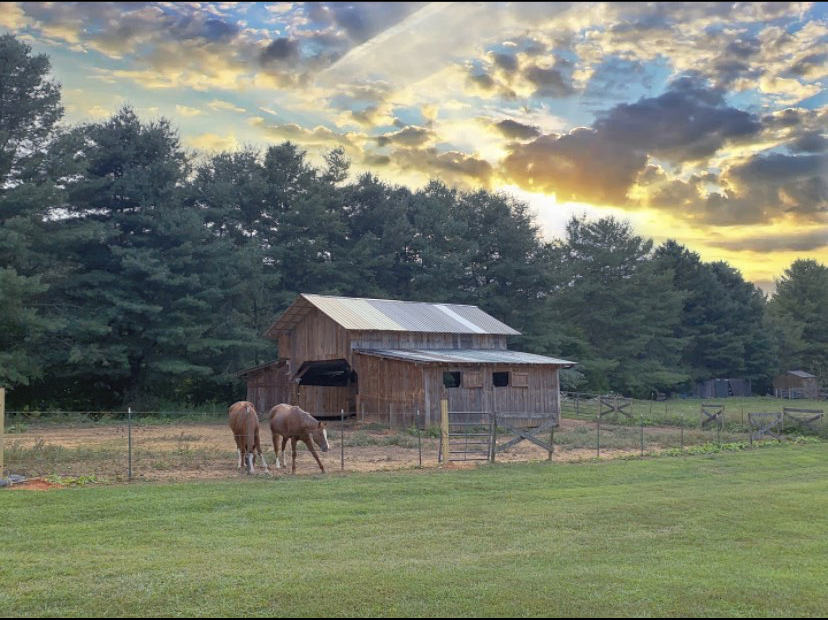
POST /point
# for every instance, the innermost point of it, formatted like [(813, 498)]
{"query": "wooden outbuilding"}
[(392, 362), (796, 384)]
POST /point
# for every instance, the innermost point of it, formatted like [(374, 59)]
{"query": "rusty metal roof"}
[(466, 356), (390, 315)]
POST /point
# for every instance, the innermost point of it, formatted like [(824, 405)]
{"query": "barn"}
[(392, 362), (796, 384)]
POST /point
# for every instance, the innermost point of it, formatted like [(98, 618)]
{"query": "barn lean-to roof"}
[(466, 356), (390, 315)]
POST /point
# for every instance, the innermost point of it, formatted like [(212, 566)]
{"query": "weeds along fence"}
[(157, 445)]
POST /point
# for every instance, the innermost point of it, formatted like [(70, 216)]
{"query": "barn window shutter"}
[(473, 380), (520, 379)]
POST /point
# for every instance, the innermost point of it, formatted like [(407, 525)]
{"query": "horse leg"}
[(284, 444), (238, 450), (293, 449), (309, 444), (259, 450), (276, 438)]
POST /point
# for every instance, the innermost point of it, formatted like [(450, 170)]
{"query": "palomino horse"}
[(291, 422), (244, 422)]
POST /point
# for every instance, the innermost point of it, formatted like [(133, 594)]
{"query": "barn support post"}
[(444, 431), (2, 427)]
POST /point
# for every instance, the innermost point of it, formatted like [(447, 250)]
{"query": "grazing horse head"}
[(320, 436)]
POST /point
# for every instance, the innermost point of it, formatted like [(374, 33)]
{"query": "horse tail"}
[(251, 420)]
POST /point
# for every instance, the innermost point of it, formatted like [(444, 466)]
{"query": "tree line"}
[(134, 272)]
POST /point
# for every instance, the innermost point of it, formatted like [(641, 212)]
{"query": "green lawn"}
[(732, 534)]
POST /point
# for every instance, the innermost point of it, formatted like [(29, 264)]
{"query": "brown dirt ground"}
[(37, 484), (188, 451)]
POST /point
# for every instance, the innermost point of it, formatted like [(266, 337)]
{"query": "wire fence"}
[(117, 446)]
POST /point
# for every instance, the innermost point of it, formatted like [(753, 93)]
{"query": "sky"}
[(701, 122)]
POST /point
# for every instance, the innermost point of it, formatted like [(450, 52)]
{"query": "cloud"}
[(689, 122), (214, 142), (184, 110), (452, 167), (218, 104), (601, 163), (549, 82), (793, 242), (517, 131), (408, 136)]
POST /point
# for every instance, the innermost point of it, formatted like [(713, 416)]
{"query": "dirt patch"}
[(37, 484)]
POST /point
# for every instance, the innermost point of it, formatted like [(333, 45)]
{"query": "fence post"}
[(682, 431), (493, 437), (341, 440), (642, 435), (2, 427), (129, 442), (444, 430), (419, 439), (598, 430)]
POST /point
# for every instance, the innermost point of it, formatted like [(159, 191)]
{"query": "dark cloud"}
[(450, 166), (809, 64), (795, 242), (810, 142), (792, 183), (601, 163), (688, 123), (409, 136), (280, 51), (482, 80), (580, 165), (549, 82), (507, 62), (517, 131)]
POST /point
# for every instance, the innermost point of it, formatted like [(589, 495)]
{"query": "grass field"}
[(736, 534)]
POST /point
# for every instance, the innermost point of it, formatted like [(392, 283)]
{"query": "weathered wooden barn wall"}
[(269, 386), (424, 340), (326, 401), (391, 391), (316, 338), (537, 392)]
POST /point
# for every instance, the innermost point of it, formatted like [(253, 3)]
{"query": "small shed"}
[(796, 384), (723, 388), (392, 362)]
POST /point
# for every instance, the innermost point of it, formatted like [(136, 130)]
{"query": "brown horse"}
[(244, 422), (291, 422)]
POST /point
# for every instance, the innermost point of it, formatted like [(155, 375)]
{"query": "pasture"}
[(728, 534), (199, 445)]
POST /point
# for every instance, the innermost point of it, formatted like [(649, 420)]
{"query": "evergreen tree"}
[(29, 111), (621, 312), (800, 305)]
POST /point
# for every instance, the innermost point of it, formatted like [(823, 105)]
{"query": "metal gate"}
[(467, 436)]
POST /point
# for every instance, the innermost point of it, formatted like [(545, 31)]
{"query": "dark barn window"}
[(451, 379), (500, 379)]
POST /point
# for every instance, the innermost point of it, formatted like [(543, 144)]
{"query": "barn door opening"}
[(324, 388), (329, 373)]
